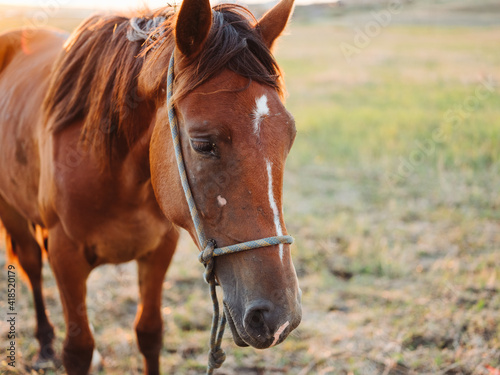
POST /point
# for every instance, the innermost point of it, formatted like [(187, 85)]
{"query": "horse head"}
[(235, 135)]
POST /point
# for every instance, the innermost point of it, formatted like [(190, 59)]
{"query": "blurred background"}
[(392, 192)]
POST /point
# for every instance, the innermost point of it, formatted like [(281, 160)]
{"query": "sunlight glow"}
[(107, 4)]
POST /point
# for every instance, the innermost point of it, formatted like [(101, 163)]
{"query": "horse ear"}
[(272, 24), (192, 26)]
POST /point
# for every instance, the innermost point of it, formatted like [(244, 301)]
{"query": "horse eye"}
[(205, 147)]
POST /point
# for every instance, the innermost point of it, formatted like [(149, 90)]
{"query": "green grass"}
[(372, 112)]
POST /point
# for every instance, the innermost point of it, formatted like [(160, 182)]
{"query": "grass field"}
[(392, 193)]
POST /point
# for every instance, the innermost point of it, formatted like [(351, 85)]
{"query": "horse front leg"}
[(71, 269), (149, 324)]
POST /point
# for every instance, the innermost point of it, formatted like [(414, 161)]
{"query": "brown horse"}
[(86, 154)]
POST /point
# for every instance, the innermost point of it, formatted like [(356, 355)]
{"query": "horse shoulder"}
[(114, 210)]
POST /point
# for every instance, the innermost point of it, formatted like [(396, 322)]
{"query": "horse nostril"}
[(256, 317)]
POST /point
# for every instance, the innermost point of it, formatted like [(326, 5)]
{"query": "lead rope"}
[(216, 356)]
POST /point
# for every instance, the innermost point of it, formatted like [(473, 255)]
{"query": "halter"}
[(216, 354)]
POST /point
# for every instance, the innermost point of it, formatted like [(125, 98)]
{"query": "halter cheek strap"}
[(216, 354)]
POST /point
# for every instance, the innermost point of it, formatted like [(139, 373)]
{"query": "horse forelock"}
[(98, 78)]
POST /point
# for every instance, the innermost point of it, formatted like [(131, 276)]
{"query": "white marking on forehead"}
[(279, 332), (221, 200), (259, 113), (274, 206)]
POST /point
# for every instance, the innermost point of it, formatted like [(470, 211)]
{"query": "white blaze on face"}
[(274, 206), (259, 113)]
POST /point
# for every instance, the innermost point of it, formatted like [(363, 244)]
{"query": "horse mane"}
[(112, 64)]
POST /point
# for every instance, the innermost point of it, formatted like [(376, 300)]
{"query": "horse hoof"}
[(43, 364)]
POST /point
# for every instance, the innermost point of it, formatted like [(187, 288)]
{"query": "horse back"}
[(26, 59)]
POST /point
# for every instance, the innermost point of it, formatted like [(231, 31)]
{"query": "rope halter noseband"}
[(216, 354)]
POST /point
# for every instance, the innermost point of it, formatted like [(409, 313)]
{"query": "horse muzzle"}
[(263, 324)]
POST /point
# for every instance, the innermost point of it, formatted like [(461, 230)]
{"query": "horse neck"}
[(130, 156)]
